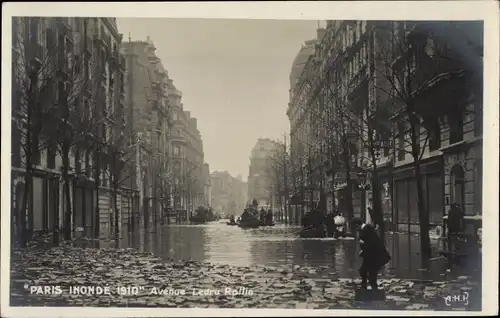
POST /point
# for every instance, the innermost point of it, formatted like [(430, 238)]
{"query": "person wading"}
[(330, 224), (373, 253)]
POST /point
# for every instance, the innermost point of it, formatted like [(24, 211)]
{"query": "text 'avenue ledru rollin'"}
[(136, 290)]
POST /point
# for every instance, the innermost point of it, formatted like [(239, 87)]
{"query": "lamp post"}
[(135, 215), (79, 180)]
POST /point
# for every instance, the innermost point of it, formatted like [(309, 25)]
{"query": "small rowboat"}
[(248, 225), (312, 233)]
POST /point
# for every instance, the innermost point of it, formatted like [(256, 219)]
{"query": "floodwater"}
[(279, 245)]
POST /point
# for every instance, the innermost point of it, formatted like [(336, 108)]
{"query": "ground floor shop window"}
[(402, 201), (407, 199), (37, 206), (413, 201), (457, 185), (435, 197)]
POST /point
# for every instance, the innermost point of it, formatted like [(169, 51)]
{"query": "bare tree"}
[(409, 58), (32, 103), (118, 166), (338, 140), (80, 118), (275, 176)]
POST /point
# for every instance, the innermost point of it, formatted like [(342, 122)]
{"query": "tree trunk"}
[(97, 184), (377, 203), (425, 244), (55, 220), (347, 162), (378, 215), (67, 194), (22, 232), (302, 194), (116, 210), (334, 208)]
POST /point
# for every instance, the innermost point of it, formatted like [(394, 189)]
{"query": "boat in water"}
[(267, 224), (249, 219), (202, 215), (315, 232), (249, 225)]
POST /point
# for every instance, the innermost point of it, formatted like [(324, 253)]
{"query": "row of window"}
[(403, 136)]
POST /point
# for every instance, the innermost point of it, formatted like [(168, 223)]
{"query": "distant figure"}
[(255, 203), (330, 224), (317, 217), (373, 252), (269, 217), (262, 215), (455, 225), (305, 220), (231, 219)]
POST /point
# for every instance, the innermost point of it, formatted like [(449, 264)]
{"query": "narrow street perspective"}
[(216, 163)]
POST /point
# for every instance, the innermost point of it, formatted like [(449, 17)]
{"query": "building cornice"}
[(112, 28)]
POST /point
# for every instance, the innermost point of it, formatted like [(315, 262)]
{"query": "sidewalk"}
[(209, 285)]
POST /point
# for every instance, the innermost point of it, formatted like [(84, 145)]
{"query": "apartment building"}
[(187, 156), (207, 190), (259, 178), (228, 193), (344, 86), (67, 102), (149, 123)]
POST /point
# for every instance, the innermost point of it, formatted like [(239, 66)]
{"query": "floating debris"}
[(131, 276)]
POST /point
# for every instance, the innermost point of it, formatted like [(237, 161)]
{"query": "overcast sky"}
[(234, 76)]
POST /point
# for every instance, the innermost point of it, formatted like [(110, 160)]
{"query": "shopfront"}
[(406, 199)]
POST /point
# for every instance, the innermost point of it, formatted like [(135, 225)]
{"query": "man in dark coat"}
[(330, 224), (262, 216), (373, 252), (269, 217)]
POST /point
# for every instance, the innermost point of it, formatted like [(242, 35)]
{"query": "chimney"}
[(320, 33)]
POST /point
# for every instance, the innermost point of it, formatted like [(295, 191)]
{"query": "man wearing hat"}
[(373, 252)]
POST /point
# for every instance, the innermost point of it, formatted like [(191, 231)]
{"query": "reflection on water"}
[(274, 246)]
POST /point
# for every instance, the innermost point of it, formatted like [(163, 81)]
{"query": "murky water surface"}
[(277, 246)]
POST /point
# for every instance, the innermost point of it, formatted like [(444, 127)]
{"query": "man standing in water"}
[(373, 252)]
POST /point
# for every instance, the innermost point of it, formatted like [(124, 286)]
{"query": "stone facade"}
[(343, 75), (228, 197), (259, 178), (148, 114), (89, 67)]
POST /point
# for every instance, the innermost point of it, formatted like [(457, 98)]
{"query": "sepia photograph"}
[(248, 163)]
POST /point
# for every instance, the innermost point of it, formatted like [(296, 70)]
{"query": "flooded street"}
[(269, 267), (277, 246)]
